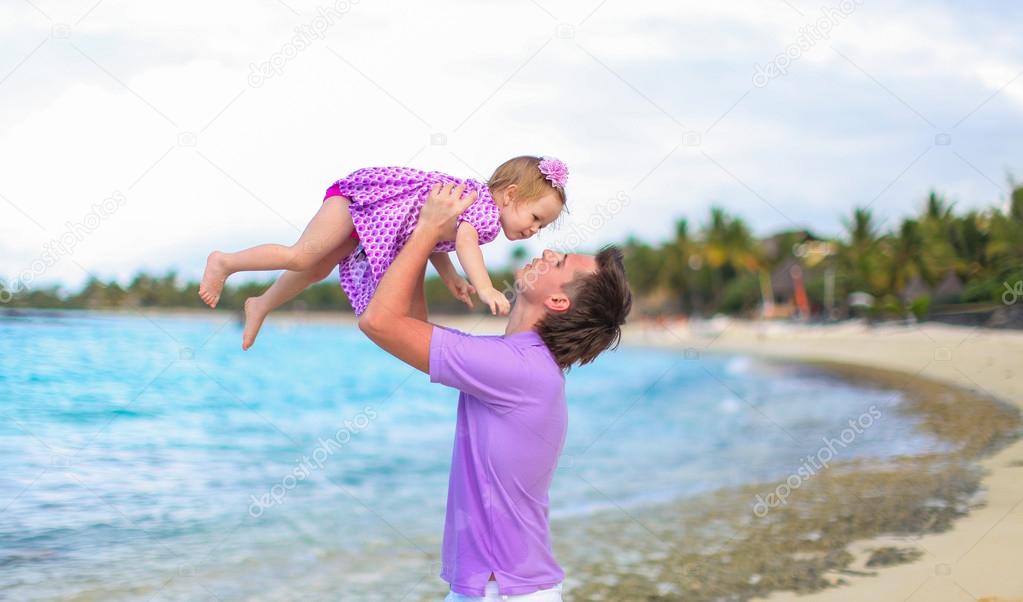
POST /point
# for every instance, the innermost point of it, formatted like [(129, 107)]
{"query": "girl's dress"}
[(385, 205)]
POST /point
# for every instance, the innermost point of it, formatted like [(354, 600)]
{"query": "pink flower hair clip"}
[(555, 171)]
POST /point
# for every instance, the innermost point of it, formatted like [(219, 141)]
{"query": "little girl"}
[(367, 217)]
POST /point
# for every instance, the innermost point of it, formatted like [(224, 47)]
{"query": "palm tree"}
[(642, 264), (936, 232), (970, 236), (676, 268), (1005, 244), (906, 257), (728, 249), (857, 256)]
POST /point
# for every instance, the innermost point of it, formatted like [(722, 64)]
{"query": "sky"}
[(142, 135)]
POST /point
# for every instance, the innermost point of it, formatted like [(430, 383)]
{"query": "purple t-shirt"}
[(512, 419)]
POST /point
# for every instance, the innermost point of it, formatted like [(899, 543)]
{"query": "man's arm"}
[(419, 309), (388, 320)]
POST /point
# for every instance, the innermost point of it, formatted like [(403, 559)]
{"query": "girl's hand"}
[(496, 300), (460, 289)]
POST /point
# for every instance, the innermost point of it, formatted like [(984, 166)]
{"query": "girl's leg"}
[(330, 227), (286, 288)]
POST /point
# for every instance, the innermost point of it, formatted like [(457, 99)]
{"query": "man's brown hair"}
[(592, 324)]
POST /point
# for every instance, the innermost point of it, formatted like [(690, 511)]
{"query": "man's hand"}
[(442, 207)]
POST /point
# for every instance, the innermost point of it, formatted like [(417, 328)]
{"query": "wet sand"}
[(724, 546)]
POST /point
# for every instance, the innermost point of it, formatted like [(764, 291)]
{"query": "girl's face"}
[(521, 220)]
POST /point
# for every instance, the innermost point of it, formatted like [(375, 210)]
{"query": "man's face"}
[(541, 281)]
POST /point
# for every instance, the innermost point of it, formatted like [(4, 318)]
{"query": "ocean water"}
[(151, 459)]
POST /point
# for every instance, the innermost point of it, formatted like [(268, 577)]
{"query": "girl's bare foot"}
[(254, 316), (213, 279)]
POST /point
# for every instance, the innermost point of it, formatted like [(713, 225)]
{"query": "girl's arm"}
[(442, 263), (459, 288), (467, 247)]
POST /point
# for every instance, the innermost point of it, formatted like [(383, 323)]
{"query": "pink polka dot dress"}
[(385, 205)]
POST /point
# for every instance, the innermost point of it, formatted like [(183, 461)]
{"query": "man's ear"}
[(558, 302)]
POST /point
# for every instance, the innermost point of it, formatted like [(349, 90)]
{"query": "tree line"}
[(938, 258)]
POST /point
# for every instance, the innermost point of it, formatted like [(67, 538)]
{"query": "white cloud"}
[(811, 143)]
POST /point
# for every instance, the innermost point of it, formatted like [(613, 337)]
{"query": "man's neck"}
[(522, 317)]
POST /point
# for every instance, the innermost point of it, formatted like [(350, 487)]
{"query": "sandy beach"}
[(979, 557)]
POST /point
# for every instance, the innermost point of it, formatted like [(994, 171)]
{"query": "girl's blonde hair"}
[(525, 173)]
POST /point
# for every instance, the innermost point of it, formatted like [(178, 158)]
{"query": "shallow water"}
[(149, 458)]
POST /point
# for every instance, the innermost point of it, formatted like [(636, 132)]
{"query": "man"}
[(512, 415)]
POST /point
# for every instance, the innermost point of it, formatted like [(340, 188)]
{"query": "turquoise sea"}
[(149, 458)]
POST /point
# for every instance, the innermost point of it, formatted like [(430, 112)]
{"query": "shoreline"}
[(977, 557)]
